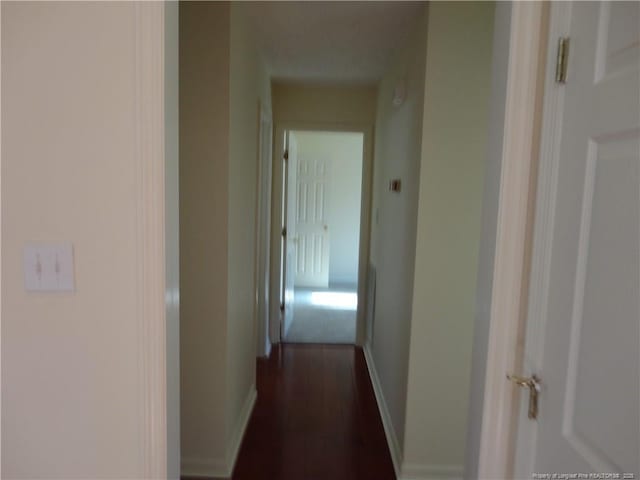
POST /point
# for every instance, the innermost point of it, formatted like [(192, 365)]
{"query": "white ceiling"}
[(331, 42)]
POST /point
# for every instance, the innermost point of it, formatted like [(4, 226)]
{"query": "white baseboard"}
[(431, 472), (222, 467), (392, 440), (241, 427)]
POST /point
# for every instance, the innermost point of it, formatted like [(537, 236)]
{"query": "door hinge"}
[(286, 154), (284, 232), (282, 307), (562, 60)]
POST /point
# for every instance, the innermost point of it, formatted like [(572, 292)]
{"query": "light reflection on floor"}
[(323, 315), (335, 300)]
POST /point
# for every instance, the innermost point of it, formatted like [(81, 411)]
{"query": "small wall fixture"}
[(399, 92), (395, 185)]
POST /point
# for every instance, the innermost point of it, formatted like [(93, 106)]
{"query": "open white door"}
[(583, 328)]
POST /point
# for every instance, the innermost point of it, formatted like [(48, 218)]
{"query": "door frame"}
[(276, 217), (263, 230), (540, 238), (517, 202)]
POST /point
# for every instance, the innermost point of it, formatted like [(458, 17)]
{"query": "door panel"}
[(311, 227), (589, 415), (605, 304)]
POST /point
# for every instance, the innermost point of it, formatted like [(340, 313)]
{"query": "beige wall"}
[(204, 210), (249, 86), (455, 128), (69, 376), (425, 239), (315, 104), (486, 254), (222, 81), (397, 155)]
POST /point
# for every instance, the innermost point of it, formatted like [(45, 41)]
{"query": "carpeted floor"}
[(332, 319)]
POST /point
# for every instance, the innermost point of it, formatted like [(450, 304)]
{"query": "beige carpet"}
[(321, 323)]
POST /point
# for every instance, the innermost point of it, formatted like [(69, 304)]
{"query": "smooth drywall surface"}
[(397, 156), (222, 82), (308, 104), (69, 377), (249, 85), (172, 240), (343, 153), (204, 174), (454, 150), (501, 35)]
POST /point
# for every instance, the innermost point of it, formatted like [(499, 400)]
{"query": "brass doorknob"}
[(534, 386)]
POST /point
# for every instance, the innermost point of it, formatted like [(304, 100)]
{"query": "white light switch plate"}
[(49, 268)]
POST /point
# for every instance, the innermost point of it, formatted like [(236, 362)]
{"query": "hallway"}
[(316, 418)]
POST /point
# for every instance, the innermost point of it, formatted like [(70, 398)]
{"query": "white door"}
[(289, 242), (311, 226), (583, 329)]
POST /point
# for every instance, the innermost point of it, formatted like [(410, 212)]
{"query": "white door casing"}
[(288, 241), (263, 221), (583, 327), (311, 224), (518, 147)]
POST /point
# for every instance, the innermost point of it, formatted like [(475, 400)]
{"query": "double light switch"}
[(48, 267)]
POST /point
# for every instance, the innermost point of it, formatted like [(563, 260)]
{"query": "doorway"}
[(321, 212)]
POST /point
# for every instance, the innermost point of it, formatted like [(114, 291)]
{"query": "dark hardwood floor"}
[(316, 418)]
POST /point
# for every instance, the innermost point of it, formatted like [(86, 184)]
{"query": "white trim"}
[(222, 467), (150, 236), (263, 239), (275, 280), (431, 472), (496, 443), (390, 434), (238, 433), (0, 249), (404, 471), (543, 227)]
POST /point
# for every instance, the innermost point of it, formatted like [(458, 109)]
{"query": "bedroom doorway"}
[(322, 201)]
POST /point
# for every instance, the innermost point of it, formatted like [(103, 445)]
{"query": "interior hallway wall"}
[(204, 172), (454, 150), (323, 104), (490, 197), (222, 81), (70, 381), (249, 86), (393, 233)]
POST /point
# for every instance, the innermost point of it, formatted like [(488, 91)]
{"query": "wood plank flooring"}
[(315, 418)]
